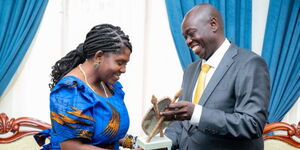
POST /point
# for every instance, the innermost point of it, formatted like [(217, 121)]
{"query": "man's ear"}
[(214, 24), (98, 56)]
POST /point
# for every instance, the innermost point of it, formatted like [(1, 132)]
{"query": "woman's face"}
[(113, 65)]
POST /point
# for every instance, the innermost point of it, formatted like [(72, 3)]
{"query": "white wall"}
[(154, 67), (259, 18)]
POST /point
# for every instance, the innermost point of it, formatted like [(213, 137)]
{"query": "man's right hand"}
[(182, 110)]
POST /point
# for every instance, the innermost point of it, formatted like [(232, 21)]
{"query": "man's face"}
[(198, 35)]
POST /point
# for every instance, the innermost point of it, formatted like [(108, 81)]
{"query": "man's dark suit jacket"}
[(235, 103)]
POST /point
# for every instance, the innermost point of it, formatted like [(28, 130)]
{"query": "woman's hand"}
[(128, 141)]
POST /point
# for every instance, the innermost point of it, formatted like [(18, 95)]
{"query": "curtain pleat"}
[(281, 50), (19, 21)]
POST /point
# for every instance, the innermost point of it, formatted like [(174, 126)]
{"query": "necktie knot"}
[(205, 68)]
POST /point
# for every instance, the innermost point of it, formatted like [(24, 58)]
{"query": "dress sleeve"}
[(71, 114)]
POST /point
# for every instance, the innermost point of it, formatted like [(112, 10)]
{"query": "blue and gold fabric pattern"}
[(77, 112)]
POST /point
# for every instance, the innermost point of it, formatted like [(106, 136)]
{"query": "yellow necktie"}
[(200, 83)]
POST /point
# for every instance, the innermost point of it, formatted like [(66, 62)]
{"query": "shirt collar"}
[(217, 56)]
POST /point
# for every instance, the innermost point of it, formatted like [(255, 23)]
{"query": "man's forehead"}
[(189, 21)]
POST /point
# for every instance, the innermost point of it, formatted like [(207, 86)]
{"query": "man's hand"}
[(182, 110)]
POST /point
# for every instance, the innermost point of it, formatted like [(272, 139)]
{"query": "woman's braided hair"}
[(105, 37)]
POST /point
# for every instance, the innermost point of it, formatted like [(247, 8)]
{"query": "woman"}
[(86, 100)]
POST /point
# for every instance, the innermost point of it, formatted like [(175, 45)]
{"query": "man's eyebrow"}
[(185, 32), (188, 30)]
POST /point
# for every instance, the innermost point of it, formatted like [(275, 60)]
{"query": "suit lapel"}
[(224, 65), (190, 88), (194, 78)]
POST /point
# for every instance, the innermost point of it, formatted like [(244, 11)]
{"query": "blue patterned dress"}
[(78, 112)]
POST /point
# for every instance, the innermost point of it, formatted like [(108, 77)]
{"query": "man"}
[(232, 111)]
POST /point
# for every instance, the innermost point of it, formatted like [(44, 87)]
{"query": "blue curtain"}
[(19, 20), (281, 50), (237, 17)]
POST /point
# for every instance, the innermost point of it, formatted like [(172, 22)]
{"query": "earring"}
[(96, 65)]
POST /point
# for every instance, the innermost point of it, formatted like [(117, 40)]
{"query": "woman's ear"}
[(98, 56)]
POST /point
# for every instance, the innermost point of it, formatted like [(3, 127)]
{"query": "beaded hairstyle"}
[(105, 37)]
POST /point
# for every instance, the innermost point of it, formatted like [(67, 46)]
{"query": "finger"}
[(179, 105), (181, 111), (183, 117), (168, 113), (175, 106), (169, 118)]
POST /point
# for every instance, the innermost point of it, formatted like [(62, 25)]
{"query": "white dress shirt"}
[(214, 62)]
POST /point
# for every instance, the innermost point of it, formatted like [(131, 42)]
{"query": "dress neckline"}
[(89, 88)]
